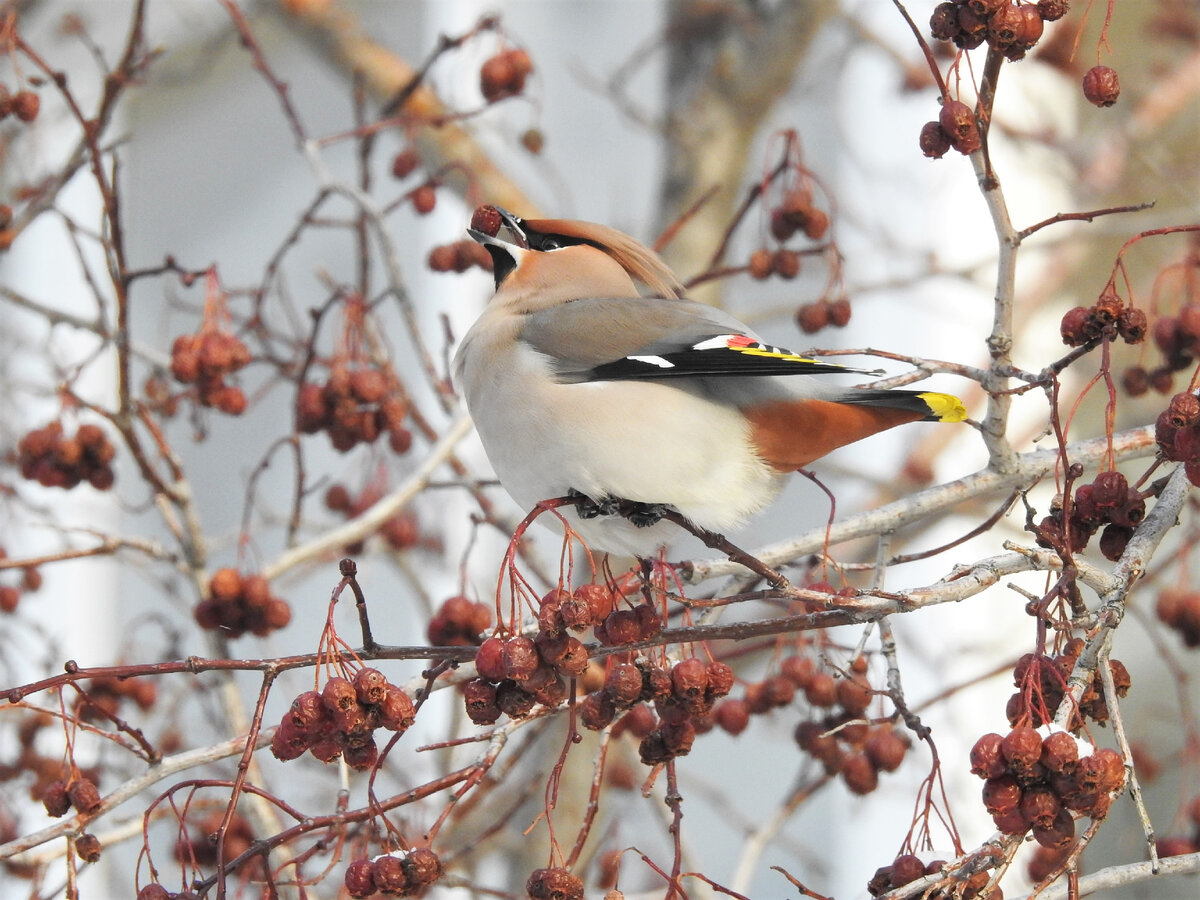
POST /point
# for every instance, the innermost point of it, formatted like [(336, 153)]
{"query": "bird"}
[(589, 374)]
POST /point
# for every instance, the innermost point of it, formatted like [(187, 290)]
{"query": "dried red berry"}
[(1060, 752), (958, 121), (85, 796), (885, 748), (1101, 86), (487, 219), (56, 799), (489, 659), (732, 716), (906, 869), (555, 883), (1001, 794), (479, 698), (360, 879), (860, 774), (422, 866)]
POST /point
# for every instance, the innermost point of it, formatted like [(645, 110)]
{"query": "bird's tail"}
[(934, 407)]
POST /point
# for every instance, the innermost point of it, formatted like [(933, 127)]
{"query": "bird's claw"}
[(642, 515)]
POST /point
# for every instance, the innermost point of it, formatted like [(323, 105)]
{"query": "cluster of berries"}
[(554, 883), (1179, 609), (683, 697), (518, 672), (1178, 846), (955, 127), (1177, 338), (81, 793), (1107, 319), (238, 603), (1109, 502), (907, 868), (1177, 433), (812, 317), (459, 256), (340, 720), (797, 212), (10, 594), (355, 405), (401, 531), (1007, 26), (459, 622), (102, 696), (504, 74), (46, 455), (842, 741), (405, 875), (1035, 783), (24, 104), (206, 359), (1045, 678), (782, 262)]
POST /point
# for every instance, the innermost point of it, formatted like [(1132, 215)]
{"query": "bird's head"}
[(565, 259)]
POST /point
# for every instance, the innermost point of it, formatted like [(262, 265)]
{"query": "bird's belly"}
[(643, 441)]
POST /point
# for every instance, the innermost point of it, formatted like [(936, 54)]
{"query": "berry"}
[(1101, 86)]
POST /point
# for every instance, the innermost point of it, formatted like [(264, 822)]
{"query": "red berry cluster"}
[(401, 531), (504, 74), (238, 603), (24, 104), (1035, 783), (10, 594), (797, 212), (81, 793), (459, 256), (102, 696), (907, 868), (1178, 846), (46, 455), (405, 875), (782, 262), (1101, 86), (841, 740), (459, 622), (1177, 433), (1108, 319), (1109, 502), (955, 127), (683, 697), (1006, 25), (1041, 683), (206, 359), (341, 719), (1177, 338), (812, 317), (355, 405), (1179, 609), (554, 883), (517, 673)]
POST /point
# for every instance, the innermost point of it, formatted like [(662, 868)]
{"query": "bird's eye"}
[(551, 244)]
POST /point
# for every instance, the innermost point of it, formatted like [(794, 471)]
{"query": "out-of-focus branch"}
[(338, 34)]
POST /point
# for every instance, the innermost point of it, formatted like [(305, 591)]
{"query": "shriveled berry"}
[(986, 759), (906, 869), (1060, 752), (1001, 794), (597, 711), (1040, 806), (479, 698), (554, 883), (1101, 86), (689, 678), (56, 799), (85, 796), (423, 866), (1022, 748), (360, 879), (1060, 833), (396, 709), (520, 657)]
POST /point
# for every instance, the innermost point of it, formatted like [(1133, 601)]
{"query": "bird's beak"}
[(515, 226)]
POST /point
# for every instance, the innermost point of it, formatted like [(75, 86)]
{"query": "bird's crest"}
[(642, 263)]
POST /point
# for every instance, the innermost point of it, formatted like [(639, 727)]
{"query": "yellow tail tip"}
[(944, 407)]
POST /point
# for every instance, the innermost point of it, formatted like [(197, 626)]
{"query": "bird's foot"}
[(643, 515), (587, 508)]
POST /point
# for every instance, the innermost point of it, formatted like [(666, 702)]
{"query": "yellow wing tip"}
[(944, 407)]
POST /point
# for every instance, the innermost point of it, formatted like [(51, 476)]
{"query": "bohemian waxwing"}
[(589, 372)]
